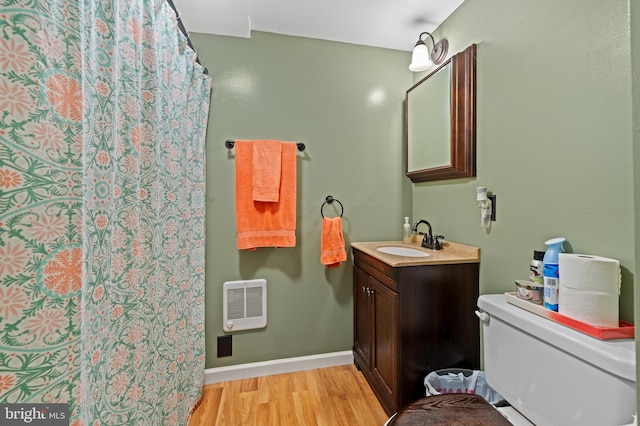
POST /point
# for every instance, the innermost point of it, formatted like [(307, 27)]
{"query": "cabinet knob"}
[(364, 290)]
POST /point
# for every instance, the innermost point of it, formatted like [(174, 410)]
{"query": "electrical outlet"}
[(225, 344)]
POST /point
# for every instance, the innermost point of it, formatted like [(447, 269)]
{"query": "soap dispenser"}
[(406, 236)]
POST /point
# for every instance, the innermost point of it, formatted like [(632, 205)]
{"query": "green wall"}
[(345, 102), (555, 143), (554, 136), (635, 85)]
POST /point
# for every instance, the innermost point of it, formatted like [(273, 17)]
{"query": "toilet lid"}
[(455, 409)]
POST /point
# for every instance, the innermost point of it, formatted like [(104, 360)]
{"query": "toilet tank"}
[(555, 375)]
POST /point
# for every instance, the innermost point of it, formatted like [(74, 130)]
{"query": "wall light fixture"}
[(421, 60)]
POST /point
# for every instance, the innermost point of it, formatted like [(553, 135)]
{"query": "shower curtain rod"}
[(185, 32)]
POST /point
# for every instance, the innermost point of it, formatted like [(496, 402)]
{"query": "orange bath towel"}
[(265, 224), (332, 242), (266, 164)]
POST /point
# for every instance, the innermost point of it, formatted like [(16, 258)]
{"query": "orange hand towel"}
[(267, 162), (261, 224), (332, 242)]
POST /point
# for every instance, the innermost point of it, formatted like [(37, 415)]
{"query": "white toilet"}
[(554, 375)]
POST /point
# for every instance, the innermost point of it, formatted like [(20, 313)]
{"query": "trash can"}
[(458, 380)]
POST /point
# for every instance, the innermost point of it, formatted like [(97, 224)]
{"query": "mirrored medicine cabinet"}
[(440, 121)]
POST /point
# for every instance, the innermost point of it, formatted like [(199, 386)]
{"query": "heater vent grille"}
[(244, 305)]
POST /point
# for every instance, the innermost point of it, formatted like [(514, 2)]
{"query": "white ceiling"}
[(393, 24)]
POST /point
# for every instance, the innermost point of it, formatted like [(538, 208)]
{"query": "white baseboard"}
[(277, 366)]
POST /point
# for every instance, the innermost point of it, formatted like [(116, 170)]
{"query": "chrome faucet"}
[(428, 240)]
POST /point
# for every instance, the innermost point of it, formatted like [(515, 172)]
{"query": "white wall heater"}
[(244, 305)]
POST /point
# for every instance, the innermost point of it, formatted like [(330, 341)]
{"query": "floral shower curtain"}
[(102, 125)]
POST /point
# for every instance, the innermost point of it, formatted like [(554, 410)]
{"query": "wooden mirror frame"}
[(463, 122)]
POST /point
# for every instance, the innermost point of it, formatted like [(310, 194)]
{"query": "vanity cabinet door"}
[(376, 337), (362, 319), (385, 340)]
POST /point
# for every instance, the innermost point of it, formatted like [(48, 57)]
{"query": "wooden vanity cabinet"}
[(411, 320)]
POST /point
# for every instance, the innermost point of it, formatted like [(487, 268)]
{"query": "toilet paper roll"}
[(589, 273), (599, 309)]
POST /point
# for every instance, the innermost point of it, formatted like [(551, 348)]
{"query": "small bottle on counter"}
[(536, 267), (406, 236)]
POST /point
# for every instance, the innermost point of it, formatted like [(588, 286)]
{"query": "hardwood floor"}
[(331, 396)]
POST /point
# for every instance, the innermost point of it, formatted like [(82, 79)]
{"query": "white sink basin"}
[(402, 251)]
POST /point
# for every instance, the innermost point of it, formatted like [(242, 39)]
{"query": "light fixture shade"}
[(420, 60)]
